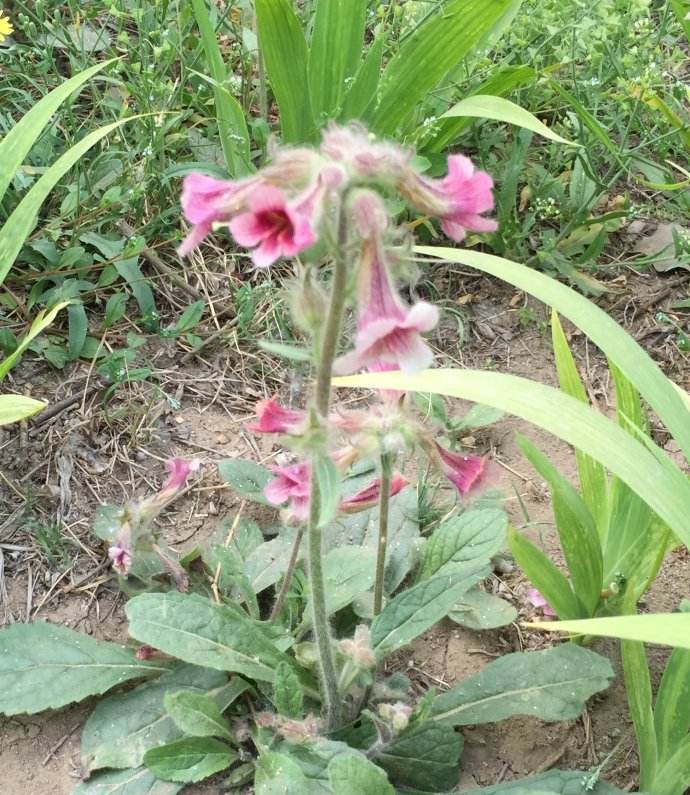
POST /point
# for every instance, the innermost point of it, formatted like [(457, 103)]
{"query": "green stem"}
[(331, 335), (384, 511), (287, 579)]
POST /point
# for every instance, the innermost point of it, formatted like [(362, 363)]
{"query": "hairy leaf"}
[(288, 697), (478, 609), (555, 782), (278, 774), (196, 714), (350, 773), (189, 760), (139, 781), (247, 478), (46, 666), (551, 685)]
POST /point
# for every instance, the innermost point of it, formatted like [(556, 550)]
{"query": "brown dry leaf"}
[(465, 299), (661, 240)]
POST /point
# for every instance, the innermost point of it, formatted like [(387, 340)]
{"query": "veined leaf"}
[(288, 697), (46, 666), (639, 691), (188, 760), (428, 54), (672, 708), (22, 220), (478, 609), (139, 781), (602, 329), (667, 629), (278, 774), (555, 782), (363, 89), (350, 773), (284, 49), (336, 47), (551, 685), (14, 408), (662, 485), (16, 145), (247, 478), (484, 106), (196, 714)]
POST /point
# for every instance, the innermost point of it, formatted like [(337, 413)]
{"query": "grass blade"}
[(672, 709), (639, 691), (363, 90), (40, 323), (433, 50), (14, 408), (19, 225), (603, 330), (336, 48), (232, 125), (666, 629), (15, 146), (284, 50)]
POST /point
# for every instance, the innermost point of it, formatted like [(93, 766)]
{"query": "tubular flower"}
[(458, 199), (207, 201), (538, 601), (388, 331), (120, 555), (369, 496), (272, 227), (274, 418), (468, 473), (363, 155), (292, 484), (179, 470)]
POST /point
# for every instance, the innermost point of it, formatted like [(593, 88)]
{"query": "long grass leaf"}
[(639, 691), (672, 708), (360, 96)]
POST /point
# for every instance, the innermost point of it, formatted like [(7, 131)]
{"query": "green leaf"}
[(245, 477), (196, 714), (479, 610), (197, 631), (602, 329), (653, 476), (23, 218), (424, 756), (16, 145), (14, 408), (78, 328), (126, 782), (277, 774), (189, 760), (363, 90), (336, 47), (479, 417), (463, 543), (293, 353), (232, 125), (429, 54), (46, 666), (130, 271), (550, 685), (126, 725), (672, 708), (284, 49), (40, 324), (326, 476), (190, 317), (350, 773), (545, 576), (416, 609), (674, 776), (269, 561), (555, 782), (288, 698), (483, 106), (577, 530), (681, 8), (639, 691), (593, 481), (667, 629)]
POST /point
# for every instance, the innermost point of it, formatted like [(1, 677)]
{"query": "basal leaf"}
[(197, 631), (196, 714), (416, 609), (245, 477), (425, 756), (350, 773), (189, 760), (278, 774), (288, 698), (124, 726), (555, 782), (478, 609), (139, 781), (551, 685), (46, 666), (463, 542)]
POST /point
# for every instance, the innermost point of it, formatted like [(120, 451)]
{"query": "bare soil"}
[(55, 474)]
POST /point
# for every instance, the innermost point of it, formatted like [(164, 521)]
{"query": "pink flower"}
[(272, 227), (292, 484), (468, 473), (363, 155), (369, 496), (180, 469), (538, 601), (207, 201), (458, 199), (388, 331), (121, 558), (274, 418)]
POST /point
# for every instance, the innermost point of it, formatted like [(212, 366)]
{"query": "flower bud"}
[(308, 302)]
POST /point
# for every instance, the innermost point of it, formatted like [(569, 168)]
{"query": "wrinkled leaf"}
[(551, 685)]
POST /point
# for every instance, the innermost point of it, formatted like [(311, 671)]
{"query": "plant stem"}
[(287, 579), (331, 335), (384, 510)]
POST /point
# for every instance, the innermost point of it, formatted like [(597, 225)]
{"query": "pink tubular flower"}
[(179, 471), (458, 199), (272, 227), (468, 473), (362, 154), (292, 484), (369, 496), (388, 332), (274, 418), (538, 601), (121, 558), (207, 201)]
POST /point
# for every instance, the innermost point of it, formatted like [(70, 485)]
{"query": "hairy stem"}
[(329, 347), (384, 511), (287, 579)]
